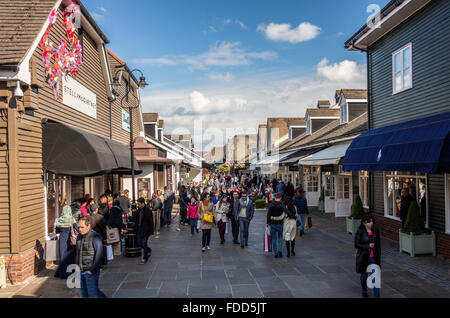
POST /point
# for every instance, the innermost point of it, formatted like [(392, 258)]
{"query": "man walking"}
[(275, 219), (124, 202), (301, 204), (169, 197), (246, 212), (234, 216), (89, 257), (145, 228)]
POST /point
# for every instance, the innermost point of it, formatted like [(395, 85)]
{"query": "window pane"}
[(407, 57), (398, 62), (398, 81), (407, 77)]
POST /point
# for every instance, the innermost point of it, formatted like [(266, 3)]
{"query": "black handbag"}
[(309, 222)]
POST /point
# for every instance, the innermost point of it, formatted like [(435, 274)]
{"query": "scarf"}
[(66, 220), (243, 203)]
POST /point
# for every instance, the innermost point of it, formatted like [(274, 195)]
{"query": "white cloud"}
[(237, 22), (102, 9), (219, 54), (345, 71), (340, 33), (97, 16), (228, 77), (305, 31), (246, 102)]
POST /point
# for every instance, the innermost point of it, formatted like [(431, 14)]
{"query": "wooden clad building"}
[(31, 197)]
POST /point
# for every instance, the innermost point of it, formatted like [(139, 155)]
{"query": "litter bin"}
[(132, 248)]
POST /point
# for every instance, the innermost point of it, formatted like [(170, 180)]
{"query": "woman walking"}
[(222, 209), (156, 205), (103, 208), (367, 241), (116, 221), (206, 216), (192, 214), (63, 226), (290, 226)]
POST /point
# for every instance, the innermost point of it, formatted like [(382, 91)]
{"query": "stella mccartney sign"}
[(79, 97)]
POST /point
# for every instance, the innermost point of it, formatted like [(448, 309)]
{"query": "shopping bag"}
[(51, 251), (112, 235), (227, 228), (109, 253), (198, 224), (116, 248)]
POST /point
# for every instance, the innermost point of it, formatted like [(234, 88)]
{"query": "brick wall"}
[(20, 267), (389, 229)]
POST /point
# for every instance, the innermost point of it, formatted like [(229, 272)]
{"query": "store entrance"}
[(343, 196)]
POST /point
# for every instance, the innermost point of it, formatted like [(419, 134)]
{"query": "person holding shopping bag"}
[(290, 226), (368, 244), (207, 220), (222, 209), (64, 225)]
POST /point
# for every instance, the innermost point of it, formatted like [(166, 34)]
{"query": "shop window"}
[(312, 183), (364, 188), (414, 183), (58, 194), (330, 186), (402, 69), (343, 188)]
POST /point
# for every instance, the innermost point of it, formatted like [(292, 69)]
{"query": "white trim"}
[(401, 52), (150, 122), (447, 203), (357, 100), (326, 117)]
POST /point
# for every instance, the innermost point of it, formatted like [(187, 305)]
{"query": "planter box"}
[(417, 244), (352, 225)]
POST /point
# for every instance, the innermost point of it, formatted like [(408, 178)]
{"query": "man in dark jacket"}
[(406, 201), (289, 191), (234, 216), (89, 257), (245, 216), (144, 223), (275, 219), (169, 198), (301, 204)]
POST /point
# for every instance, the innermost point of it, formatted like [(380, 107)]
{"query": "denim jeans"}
[(302, 219), (143, 242), (376, 291), (243, 225), (89, 285), (168, 214), (193, 225), (277, 238), (206, 238)]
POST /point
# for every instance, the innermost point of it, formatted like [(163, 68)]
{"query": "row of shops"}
[(63, 139)]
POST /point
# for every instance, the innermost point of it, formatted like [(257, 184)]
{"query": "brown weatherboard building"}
[(32, 155)]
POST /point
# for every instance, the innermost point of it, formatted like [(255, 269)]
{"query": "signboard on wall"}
[(125, 121), (293, 168), (78, 97)]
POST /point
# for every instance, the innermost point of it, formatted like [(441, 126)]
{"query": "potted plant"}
[(354, 220), (415, 238), (260, 204), (322, 201)]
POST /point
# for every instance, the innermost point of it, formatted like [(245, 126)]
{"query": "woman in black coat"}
[(116, 220), (367, 242)]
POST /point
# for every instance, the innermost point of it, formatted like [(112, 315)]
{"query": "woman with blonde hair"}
[(207, 220)]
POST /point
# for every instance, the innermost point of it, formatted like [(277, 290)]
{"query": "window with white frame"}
[(402, 69), (312, 178), (329, 185), (414, 183), (364, 188)]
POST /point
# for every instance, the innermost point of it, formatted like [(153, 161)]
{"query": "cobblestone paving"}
[(323, 267)]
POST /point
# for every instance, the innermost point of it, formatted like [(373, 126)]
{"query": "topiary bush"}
[(260, 204), (357, 208), (414, 223)]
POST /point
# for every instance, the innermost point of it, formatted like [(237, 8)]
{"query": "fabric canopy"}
[(421, 145), (329, 156), (296, 156), (274, 159), (73, 152)]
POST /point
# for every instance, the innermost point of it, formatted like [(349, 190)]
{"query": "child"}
[(192, 214)]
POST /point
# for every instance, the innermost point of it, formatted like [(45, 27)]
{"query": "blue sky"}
[(232, 64)]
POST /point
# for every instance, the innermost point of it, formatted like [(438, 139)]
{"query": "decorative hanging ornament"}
[(66, 59)]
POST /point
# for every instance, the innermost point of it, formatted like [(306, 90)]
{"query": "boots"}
[(293, 247), (288, 247)]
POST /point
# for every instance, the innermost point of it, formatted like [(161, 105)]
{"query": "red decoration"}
[(67, 58)]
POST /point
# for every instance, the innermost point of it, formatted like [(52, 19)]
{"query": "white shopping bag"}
[(227, 228), (109, 253), (198, 224)]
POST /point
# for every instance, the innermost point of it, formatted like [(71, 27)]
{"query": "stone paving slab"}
[(324, 266)]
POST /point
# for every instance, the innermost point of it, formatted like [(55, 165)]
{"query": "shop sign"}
[(125, 121), (293, 168), (328, 168), (78, 97)]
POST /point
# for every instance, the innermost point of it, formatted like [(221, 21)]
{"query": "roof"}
[(323, 102), (354, 93), (262, 126), (20, 23), (118, 59), (323, 112), (297, 122), (150, 117)]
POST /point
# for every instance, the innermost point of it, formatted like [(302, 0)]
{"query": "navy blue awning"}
[(421, 145)]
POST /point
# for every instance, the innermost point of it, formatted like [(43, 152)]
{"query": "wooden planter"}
[(417, 244), (352, 225)]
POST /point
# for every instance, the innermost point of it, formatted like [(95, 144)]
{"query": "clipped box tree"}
[(260, 204), (354, 220), (415, 238)]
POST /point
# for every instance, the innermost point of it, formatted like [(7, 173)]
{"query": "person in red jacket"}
[(192, 214)]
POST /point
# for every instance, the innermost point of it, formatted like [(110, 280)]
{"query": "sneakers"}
[(157, 233), (157, 236), (178, 229), (203, 250), (143, 261), (208, 247)]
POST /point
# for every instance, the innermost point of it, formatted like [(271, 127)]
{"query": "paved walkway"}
[(323, 267)]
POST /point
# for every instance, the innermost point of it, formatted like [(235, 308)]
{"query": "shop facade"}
[(56, 150), (407, 144)]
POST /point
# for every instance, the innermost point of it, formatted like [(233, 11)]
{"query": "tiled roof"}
[(297, 122), (20, 23), (323, 112), (354, 93), (118, 59), (150, 117)]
